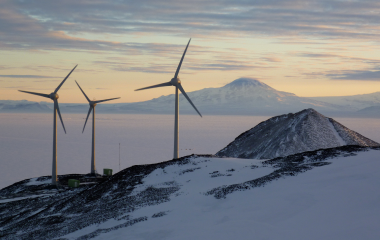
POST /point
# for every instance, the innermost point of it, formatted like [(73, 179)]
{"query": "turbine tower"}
[(54, 96), (92, 108), (176, 82)]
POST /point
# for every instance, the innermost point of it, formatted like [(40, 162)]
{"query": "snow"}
[(336, 201), (33, 181), (21, 198), (338, 137), (311, 195)]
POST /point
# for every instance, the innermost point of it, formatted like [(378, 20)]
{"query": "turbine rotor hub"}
[(175, 81), (54, 96), (92, 104)]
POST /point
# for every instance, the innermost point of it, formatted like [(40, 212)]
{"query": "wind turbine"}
[(54, 96), (92, 108), (176, 82)]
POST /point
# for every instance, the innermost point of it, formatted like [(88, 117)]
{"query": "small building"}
[(107, 172), (73, 183)]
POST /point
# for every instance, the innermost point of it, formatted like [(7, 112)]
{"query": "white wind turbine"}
[(92, 108), (176, 82), (54, 96)]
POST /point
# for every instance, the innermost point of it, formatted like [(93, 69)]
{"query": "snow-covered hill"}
[(288, 134), (325, 194)]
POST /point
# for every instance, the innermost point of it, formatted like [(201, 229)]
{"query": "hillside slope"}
[(325, 194)]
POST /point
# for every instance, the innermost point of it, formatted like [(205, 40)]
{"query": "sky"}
[(310, 48)]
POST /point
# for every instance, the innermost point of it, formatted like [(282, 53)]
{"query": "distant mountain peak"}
[(310, 111), (288, 134), (246, 83)]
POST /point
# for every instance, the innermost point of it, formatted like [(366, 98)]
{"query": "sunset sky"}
[(310, 48)]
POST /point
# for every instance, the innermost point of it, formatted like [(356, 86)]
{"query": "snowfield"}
[(324, 194)]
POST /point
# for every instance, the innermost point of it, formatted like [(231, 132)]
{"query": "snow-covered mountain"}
[(324, 194), (20, 106), (373, 111), (244, 96), (288, 134), (23, 106), (355, 102)]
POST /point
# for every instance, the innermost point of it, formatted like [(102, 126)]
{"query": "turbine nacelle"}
[(54, 96), (92, 104), (175, 81)]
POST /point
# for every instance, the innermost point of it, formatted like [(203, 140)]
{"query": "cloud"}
[(136, 67), (318, 55), (356, 75), (271, 59), (351, 75), (81, 25), (338, 58), (223, 65), (28, 88), (218, 63), (2, 67), (25, 76)]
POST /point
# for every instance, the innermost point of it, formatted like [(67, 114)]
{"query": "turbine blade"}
[(89, 111), (156, 86), (105, 100), (59, 86), (38, 94), (59, 114), (188, 99), (180, 63), (83, 92)]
